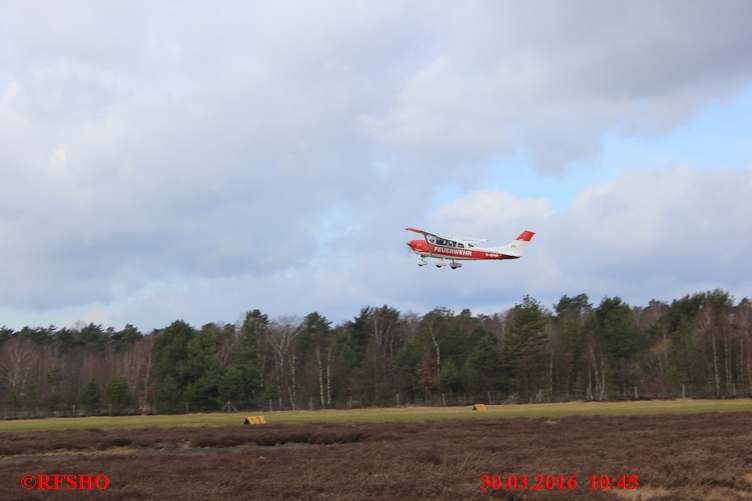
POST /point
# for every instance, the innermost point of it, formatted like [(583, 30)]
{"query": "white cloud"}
[(648, 234), (550, 80)]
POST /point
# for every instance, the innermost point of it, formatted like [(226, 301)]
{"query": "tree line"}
[(697, 346)]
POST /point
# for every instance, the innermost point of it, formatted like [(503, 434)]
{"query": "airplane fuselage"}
[(444, 248), (465, 252)]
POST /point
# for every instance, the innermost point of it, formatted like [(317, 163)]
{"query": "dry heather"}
[(696, 456)]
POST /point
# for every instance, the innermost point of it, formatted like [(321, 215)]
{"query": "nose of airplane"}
[(415, 245)]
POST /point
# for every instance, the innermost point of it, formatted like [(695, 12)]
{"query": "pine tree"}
[(91, 398), (117, 393)]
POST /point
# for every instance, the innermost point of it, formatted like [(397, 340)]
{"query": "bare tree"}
[(280, 335), (598, 368), (325, 385), (18, 358), (434, 322), (743, 323), (138, 368)]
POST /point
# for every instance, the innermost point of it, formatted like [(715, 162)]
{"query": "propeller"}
[(409, 249)]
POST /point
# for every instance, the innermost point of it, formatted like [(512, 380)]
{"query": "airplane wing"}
[(446, 237), (470, 240), (427, 233)]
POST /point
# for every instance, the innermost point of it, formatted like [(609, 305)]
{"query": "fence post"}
[(635, 393)]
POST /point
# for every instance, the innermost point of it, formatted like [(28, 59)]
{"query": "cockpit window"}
[(444, 242)]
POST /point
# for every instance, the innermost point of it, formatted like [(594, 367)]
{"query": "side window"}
[(461, 246)]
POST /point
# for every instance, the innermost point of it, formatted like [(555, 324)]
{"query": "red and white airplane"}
[(442, 247)]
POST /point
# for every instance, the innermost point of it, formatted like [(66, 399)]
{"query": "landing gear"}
[(440, 263)]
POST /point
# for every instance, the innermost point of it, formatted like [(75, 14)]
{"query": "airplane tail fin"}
[(517, 247)]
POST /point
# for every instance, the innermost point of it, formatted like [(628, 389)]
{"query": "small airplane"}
[(442, 247)]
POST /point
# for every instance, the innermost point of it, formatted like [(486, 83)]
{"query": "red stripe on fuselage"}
[(420, 247)]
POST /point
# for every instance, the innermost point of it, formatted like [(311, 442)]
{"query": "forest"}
[(699, 346)]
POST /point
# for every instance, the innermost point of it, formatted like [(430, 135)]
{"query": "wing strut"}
[(428, 245)]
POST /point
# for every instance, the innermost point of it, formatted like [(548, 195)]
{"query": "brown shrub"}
[(674, 457)]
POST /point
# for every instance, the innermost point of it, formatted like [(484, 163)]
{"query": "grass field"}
[(401, 414), (677, 455), (682, 449)]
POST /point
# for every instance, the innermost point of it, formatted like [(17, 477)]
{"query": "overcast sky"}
[(164, 160)]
